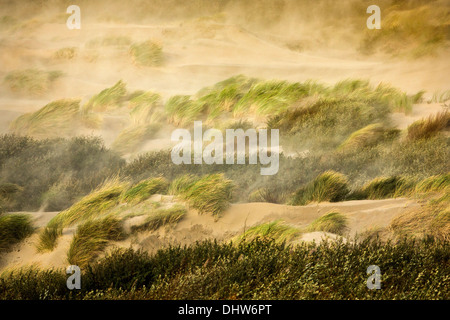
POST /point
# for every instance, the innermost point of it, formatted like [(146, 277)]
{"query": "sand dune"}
[(363, 215)]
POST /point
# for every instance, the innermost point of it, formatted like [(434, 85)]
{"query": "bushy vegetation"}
[(7, 192), (13, 229), (268, 194), (333, 222), (54, 173), (258, 269), (33, 82)]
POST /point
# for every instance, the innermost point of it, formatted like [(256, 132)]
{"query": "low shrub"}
[(13, 229)]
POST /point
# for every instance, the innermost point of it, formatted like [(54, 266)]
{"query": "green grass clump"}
[(144, 189), (210, 194), (57, 118), (333, 222), (13, 229), (94, 205), (48, 239), (65, 53), (132, 138), (108, 99), (148, 53), (270, 97), (162, 217), (329, 186), (180, 109), (365, 137), (426, 128), (31, 81), (181, 184), (91, 238), (146, 108), (277, 230), (387, 187), (434, 183)]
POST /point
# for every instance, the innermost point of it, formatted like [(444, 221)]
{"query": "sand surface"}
[(363, 215)]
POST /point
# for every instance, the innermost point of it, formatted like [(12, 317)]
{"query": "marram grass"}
[(427, 128), (57, 118), (144, 189), (95, 204), (91, 238), (33, 82), (162, 217), (132, 138), (277, 230), (332, 222), (210, 194), (328, 186), (148, 53), (108, 99)]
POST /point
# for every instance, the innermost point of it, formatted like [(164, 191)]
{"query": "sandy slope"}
[(362, 216)]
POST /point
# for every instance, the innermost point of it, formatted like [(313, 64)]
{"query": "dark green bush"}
[(54, 172), (258, 269), (14, 228)]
